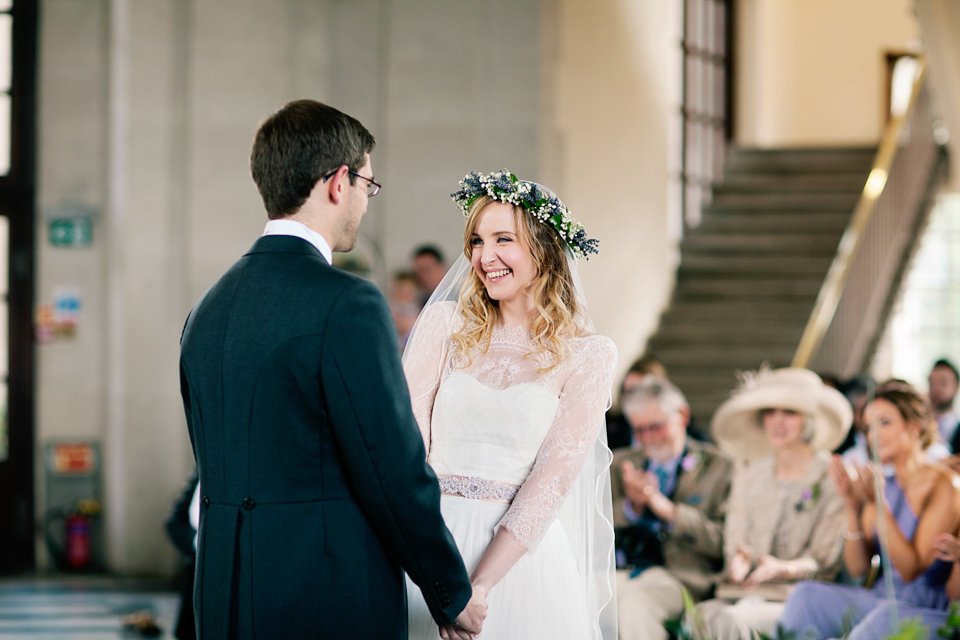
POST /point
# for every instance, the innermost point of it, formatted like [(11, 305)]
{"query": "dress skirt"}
[(541, 597)]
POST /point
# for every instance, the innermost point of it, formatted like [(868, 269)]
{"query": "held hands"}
[(740, 564), (947, 548), (769, 568), (470, 621)]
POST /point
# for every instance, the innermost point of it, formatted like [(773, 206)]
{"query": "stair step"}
[(681, 331), (788, 310), (764, 201), (834, 221), (816, 265), (722, 355), (701, 290), (839, 181), (692, 378), (811, 244), (798, 160)]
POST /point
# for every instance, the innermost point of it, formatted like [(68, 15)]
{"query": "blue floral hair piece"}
[(540, 202)]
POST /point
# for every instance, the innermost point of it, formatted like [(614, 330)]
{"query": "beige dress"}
[(788, 520)]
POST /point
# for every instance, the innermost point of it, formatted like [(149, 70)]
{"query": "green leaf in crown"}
[(540, 202)]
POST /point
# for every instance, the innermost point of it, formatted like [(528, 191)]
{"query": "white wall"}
[(616, 71), (812, 72), (148, 109)]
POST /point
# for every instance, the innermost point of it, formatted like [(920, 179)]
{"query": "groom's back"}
[(272, 478)]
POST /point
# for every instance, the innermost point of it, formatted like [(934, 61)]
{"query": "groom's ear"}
[(334, 188)]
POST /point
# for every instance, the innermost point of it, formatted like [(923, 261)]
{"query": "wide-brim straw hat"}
[(737, 427)]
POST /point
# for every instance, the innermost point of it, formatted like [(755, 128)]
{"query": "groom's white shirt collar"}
[(287, 227)]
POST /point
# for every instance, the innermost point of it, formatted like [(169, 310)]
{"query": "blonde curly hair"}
[(553, 291)]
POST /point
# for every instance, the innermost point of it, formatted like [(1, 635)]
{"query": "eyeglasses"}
[(373, 187), (656, 427)]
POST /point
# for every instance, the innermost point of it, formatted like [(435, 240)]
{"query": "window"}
[(926, 323)]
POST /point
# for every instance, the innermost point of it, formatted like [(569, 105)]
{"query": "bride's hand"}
[(470, 621), (456, 632)]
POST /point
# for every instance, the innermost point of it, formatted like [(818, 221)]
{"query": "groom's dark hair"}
[(300, 144)]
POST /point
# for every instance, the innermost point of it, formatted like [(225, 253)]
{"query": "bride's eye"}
[(503, 239), (475, 241)]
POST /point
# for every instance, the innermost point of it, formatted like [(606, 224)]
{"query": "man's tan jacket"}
[(693, 546)]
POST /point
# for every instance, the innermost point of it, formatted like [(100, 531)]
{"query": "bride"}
[(509, 387)]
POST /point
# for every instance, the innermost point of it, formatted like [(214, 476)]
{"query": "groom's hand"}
[(470, 621)]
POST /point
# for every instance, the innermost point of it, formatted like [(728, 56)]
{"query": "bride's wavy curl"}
[(553, 291)]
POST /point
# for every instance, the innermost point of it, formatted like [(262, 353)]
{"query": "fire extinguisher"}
[(70, 535), (78, 535)]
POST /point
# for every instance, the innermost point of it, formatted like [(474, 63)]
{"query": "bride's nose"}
[(488, 256)]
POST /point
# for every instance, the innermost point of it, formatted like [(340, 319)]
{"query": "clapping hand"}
[(947, 548), (846, 479), (853, 483), (470, 621), (639, 486)]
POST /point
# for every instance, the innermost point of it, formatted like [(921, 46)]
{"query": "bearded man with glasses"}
[(669, 499)]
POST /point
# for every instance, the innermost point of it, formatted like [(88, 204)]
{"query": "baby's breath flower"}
[(543, 205)]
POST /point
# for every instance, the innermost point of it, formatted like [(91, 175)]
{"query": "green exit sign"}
[(71, 232)]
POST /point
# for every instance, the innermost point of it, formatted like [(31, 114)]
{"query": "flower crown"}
[(544, 205)]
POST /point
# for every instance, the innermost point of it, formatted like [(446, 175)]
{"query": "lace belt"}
[(478, 488)]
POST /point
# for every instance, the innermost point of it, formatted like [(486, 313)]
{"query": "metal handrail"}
[(833, 285)]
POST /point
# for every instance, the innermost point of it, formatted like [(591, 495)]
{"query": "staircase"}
[(750, 273)]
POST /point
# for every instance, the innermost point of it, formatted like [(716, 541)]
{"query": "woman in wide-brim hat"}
[(785, 517)]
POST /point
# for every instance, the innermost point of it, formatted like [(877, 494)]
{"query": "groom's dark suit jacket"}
[(315, 486)]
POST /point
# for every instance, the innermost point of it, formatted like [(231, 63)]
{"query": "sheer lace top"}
[(499, 419)]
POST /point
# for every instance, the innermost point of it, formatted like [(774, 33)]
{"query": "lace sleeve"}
[(571, 438), (423, 361)]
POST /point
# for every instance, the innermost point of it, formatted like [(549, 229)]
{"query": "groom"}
[(316, 494)]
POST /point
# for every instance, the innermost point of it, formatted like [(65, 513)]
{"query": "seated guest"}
[(877, 623), (944, 382), (669, 496), (618, 429), (921, 503), (404, 304), (785, 516)]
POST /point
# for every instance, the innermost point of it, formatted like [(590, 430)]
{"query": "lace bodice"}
[(496, 417)]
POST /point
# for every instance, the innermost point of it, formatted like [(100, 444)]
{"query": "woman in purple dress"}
[(921, 504)]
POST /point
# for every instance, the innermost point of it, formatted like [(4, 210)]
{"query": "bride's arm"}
[(423, 361), (561, 457)]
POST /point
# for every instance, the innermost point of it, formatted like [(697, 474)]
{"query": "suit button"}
[(249, 504), (206, 501)]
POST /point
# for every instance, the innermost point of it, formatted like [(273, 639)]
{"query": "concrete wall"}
[(812, 72), (148, 108), (615, 69)]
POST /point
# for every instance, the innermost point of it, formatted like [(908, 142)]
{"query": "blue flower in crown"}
[(543, 205)]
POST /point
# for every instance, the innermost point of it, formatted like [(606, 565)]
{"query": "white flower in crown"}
[(545, 207)]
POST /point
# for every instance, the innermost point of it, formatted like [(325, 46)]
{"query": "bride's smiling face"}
[(500, 256)]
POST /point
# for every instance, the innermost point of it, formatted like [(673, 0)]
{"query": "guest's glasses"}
[(653, 428), (373, 187)]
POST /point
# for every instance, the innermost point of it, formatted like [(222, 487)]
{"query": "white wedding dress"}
[(497, 426)]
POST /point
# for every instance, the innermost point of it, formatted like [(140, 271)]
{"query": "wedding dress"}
[(508, 443)]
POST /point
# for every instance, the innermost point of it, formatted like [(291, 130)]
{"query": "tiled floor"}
[(81, 608)]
